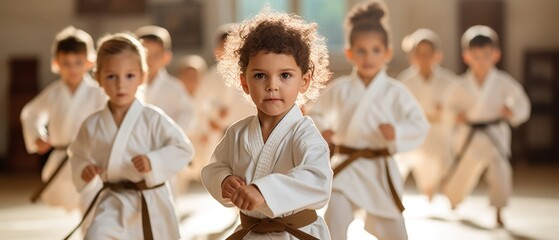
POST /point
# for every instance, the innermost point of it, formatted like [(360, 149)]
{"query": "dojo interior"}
[(529, 40)]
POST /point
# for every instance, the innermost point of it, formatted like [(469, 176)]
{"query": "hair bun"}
[(373, 11)]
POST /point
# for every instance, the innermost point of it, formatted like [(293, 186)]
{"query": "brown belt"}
[(370, 154), (120, 187), (290, 224), (37, 194)]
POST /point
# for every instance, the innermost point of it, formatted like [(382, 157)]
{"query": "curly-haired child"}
[(274, 166)]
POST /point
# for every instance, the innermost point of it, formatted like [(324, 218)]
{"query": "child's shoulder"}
[(307, 134), (240, 125)]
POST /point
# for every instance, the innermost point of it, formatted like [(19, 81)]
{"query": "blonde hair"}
[(119, 43), (278, 33)]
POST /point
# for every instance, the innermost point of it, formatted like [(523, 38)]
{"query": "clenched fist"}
[(387, 131), (248, 198), (141, 163), (230, 185), (90, 172)]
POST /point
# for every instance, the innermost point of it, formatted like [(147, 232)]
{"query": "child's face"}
[(120, 76), (274, 81), (72, 66), (481, 58), (157, 57), (190, 78), (368, 54), (425, 56)]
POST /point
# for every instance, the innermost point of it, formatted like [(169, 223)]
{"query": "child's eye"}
[(377, 50), (361, 52), (285, 75), (110, 77), (130, 75), (259, 76)]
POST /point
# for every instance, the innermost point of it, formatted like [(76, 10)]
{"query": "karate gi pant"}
[(340, 214)]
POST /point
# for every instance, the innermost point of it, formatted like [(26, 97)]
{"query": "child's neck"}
[(480, 75), (367, 79), (268, 123), (72, 86), (426, 73), (118, 112)]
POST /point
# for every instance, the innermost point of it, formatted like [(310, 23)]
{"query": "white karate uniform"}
[(168, 93), (354, 111), (291, 169), (484, 103), (56, 115), (143, 131), (430, 161)]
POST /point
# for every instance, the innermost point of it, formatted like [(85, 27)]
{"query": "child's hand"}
[(141, 163), (248, 198), (436, 116), (42, 146), (460, 118), (230, 185), (506, 113), (327, 135), (387, 131), (90, 172)]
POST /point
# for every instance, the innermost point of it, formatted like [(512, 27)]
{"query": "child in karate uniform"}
[(486, 101), (430, 84), (52, 119), (132, 148), (367, 117), (274, 166)]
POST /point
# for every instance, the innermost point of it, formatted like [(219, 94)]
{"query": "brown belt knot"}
[(125, 186), (290, 224), (371, 154)]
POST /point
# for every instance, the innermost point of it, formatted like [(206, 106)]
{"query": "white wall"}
[(28, 27)]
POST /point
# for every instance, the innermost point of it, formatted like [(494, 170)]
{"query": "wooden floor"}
[(533, 213)]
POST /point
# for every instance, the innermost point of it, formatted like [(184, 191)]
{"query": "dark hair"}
[(276, 37), (279, 33), (155, 34), (368, 16), (482, 41), (153, 38), (71, 45)]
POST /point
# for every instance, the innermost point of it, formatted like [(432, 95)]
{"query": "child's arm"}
[(34, 118), (306, 186), (517, 104), (215, 175), (80, 159), (411, 126), (174, 151)]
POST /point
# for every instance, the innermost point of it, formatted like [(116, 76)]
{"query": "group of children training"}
[(121, 144)]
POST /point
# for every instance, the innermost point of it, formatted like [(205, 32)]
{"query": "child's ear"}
[(244, 84), (305, 81), (438, 57), (167, 57), (89, 65), (348, 54), (389, 54), (496, 56), (467, 57), (54, 66)]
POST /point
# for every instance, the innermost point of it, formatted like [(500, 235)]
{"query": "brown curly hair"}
[(278, 33), (369, 16)]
